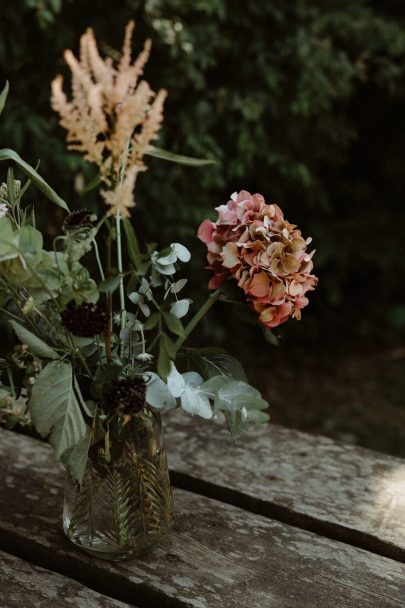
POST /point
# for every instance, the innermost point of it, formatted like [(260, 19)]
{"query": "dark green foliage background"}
[(301, 101)]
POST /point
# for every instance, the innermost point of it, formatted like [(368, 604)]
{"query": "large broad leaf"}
[(30, 240), (35, 178), (35, 344), (213, 362), (178, 158), (55, 409), (8, 240), (3, 97)]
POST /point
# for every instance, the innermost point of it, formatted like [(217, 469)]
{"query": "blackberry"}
[(85, 320), (126, 396), (83, 218)]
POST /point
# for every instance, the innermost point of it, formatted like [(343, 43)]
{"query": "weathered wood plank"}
[(217, 556), (341, 491), (23, 584)]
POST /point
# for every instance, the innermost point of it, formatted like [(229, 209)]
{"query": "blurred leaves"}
[(307, 110)]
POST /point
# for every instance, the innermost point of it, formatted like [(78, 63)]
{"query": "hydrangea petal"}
[(230, 255)]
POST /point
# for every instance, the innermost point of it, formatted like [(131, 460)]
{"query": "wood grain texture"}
[(23, 584), (341, 491), (218, 556)]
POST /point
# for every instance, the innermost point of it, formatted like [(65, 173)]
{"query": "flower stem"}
[(212, 298), (97, 254), (108, 332), (123, 311)]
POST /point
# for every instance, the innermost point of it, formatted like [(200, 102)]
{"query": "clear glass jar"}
[(124, 504)]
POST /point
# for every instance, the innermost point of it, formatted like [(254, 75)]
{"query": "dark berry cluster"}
[(82, 218), (85, 320), (127, 396)]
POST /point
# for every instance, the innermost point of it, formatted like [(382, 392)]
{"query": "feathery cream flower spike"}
[(112, 117)]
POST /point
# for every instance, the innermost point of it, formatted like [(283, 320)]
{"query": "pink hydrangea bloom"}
[(253, 243)]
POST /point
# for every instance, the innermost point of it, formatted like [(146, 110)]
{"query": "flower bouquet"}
[(97, 324)]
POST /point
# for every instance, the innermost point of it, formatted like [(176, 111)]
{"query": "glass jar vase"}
[(124, 504)]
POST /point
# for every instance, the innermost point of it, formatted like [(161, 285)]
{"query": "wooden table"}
[(283, 520)]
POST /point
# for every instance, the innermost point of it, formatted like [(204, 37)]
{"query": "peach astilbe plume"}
[(253, 243), (112, 117)]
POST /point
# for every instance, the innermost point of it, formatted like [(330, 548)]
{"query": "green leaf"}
[(152, 321), (236, 395), (10, 186), (166, 353), (8, 240), (132, 244), (213, 362), (36, 179), (30, 243), (36, 345), (3, 96), (21, 193), (55, 409), (213, 384), (88, 407), (173, 323), (242, 405), (109, 285), (88, 346), (240, 422), (178, 158)]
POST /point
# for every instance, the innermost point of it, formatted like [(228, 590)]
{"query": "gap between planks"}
[(102, 582), (267, 508), (229, 556), (331, 530), (20, 578)]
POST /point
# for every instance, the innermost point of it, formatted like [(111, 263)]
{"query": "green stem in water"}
[(213, 297)]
